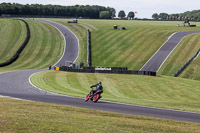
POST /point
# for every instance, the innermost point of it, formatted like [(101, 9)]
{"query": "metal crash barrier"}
[(111, 70)]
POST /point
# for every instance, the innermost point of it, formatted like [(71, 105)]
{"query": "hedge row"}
[(16, 55)]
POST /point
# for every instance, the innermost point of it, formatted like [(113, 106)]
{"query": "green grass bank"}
[(13, 33), (25, 116), (130, 48), (45, 48), (162, 91), (184, 52)]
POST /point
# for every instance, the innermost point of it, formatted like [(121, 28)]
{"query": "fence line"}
[(111, 70), (186, 64)]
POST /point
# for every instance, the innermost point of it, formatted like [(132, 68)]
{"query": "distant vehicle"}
[(73, 21)]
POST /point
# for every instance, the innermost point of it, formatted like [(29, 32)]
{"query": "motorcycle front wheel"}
[(87, 98)]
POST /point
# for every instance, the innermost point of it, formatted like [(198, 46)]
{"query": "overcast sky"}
[(144, 8)]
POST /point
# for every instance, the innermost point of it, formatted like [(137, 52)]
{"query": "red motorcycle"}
[(95, 97)]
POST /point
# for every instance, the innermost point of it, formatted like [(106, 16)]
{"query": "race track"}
[(156, 61), (16, 84)]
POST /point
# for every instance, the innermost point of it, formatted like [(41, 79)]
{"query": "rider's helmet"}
[(99, 82)]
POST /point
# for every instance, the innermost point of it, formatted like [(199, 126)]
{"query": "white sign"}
[(103, 68)]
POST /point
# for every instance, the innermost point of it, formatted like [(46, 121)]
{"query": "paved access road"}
[(16, 84), (156, 61)]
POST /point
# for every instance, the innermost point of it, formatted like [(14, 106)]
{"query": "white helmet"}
[(99, 82)]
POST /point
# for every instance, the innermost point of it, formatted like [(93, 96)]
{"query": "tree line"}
[(84, 11), (130, 16), (190, 15)]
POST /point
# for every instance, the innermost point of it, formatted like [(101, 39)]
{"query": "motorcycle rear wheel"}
[(96, 98)]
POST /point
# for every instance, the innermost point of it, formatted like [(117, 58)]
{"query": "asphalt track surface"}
[(156, 61), (72, 45), (16, 84)]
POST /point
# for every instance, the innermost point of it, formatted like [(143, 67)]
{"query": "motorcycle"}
[(95, 97)]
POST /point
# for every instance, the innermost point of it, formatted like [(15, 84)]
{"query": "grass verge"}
[(45, 48), (162, 92), (26, 116), (184, 52), (13, 33)]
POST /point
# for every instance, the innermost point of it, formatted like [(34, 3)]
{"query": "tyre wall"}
[(16, 55)]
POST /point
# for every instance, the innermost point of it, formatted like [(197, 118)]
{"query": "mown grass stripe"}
[(184, 51), (6, 32), (192, 71), (162, 92), (42, 50), (17, 32), (15, 38), (28, 58), (44, 117)]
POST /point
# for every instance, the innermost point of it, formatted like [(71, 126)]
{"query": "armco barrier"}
[(111, 70), (89, 53), (186, 64), (16, 55)]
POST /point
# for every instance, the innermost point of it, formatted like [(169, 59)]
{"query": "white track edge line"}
[(173, 50), (64, 39), (112, 102), (159, 49)]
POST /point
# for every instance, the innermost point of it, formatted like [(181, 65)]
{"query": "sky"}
[(144, 8)]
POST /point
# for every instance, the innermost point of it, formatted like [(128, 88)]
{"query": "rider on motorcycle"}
[(98, 86)]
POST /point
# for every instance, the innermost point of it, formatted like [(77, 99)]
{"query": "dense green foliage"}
[(13, 33), (121, 14), (162, 92), (155, 16), (55, 10), (131, 15), (191, 15), (104, 15)]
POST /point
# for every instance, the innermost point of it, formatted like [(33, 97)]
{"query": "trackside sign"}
[(103, 68)]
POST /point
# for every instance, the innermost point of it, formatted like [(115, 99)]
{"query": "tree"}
[(86, 11), (155, 16), (131, 15), (105, 15), (163, 16), (112, 11), (121, 14)]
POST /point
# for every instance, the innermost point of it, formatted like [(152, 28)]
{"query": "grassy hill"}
[(130, 48), (184, 51), (162, 92), (45, 48), (13, 33)]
